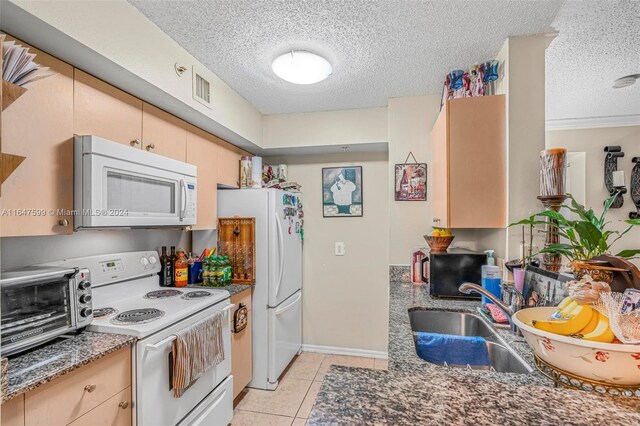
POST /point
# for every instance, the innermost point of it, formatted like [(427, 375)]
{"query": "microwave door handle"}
[(183, 198)]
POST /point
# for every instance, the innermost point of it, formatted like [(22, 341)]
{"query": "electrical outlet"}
[(339, 248)]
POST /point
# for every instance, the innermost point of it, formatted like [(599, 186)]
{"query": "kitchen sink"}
[(501, 357)]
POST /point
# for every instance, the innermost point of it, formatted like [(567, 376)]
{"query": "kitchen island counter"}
[(414, 392), (42, 365)]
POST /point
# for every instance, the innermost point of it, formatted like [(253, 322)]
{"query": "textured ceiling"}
[(378, 49), (598, 42)]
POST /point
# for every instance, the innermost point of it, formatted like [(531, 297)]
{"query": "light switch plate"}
[(339, 248)]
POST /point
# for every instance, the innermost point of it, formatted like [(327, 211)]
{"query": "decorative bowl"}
[(438, 244), (612, 363)]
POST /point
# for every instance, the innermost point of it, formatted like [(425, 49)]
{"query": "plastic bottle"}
[(181, 271), (491, 278), (227, 270), (216, 268)]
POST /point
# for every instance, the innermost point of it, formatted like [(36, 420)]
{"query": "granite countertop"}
[(414, 392), (233, 289), (32, 369)]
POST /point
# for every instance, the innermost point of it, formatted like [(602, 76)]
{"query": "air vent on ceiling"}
[(201, 89)]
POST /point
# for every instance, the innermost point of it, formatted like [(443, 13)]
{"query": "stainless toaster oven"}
[(40, 303)]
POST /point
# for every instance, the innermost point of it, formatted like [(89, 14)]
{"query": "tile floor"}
[(291, 403)]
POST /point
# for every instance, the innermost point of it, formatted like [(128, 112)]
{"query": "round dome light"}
[(300, 67)]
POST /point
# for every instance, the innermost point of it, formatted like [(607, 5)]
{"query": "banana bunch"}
[(579, 321)]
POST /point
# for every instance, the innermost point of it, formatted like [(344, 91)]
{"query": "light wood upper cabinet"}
[(39, 126), (229, 164), (241, 346), (102, 110), (469, 164), (202, 151), (163, 134)]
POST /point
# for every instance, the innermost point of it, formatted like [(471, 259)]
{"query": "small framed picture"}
[(342, 191), (411, 182)]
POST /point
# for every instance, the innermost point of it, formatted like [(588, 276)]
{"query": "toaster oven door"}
[(35, 311)]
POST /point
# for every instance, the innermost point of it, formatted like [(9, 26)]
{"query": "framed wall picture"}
[(411, 182), (342, 191)]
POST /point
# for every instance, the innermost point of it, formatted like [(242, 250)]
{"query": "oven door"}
[(155, 402), (35, 310), (120, 193)]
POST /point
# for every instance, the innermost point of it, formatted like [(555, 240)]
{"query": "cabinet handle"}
[(135, 142), (63, 222), (90, 388), (124, 405), (150, 147)]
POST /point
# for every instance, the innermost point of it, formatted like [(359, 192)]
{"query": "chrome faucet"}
[(517, 300)]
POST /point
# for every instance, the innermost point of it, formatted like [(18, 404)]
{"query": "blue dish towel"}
[(454, 350)]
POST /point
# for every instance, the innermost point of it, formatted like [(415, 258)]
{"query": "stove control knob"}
[(86, 312), (85, 298), (84, 285), (144, 261), (153, 260)]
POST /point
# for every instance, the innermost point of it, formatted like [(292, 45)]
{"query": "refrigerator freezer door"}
[(285, 261), (285, 336)]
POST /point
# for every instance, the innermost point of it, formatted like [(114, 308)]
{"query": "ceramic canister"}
[(282, 172), (245, 172), (256, 172)]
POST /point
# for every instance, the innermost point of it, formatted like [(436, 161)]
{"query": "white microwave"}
[(116, 186)]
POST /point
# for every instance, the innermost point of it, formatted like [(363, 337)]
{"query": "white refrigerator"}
[(277, 296)]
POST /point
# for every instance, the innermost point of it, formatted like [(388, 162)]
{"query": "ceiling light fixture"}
[(625, 81), (300, 67)]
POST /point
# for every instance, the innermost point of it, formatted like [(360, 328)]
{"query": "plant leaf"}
[(590, 236), (634, 222), (628, 253)]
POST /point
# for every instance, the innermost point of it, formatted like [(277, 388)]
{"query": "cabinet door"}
[(477, 165), (102, 110), (163, 134), (115, 411), (202, 151), (229, 164), (13, 412), (440, 176), (68, 397), (241, 347), (39, 126)]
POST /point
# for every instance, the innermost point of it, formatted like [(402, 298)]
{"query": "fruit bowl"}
[(439, 244), (611, 363)]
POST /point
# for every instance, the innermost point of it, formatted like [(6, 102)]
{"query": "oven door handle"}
[(161, 343), (167, 340)]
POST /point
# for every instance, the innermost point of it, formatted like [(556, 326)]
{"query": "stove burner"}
[(104, 312), (137, 316), (196, 294), (162, 294)]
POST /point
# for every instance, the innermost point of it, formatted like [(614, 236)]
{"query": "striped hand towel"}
[(195, 350)]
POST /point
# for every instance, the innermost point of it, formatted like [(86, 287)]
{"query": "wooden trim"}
[(9, 163), (10, 93)]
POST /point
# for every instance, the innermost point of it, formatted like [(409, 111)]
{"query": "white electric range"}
[(127, 299)]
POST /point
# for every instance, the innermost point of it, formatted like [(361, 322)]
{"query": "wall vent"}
[(201, 89)]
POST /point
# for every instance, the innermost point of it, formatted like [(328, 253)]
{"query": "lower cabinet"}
[(96, 394), (114, 411), (241, 347)]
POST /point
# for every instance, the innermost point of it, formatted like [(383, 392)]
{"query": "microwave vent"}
[(201, 89)]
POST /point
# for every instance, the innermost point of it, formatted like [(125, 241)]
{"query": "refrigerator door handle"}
[(289, 306), (280, 253)]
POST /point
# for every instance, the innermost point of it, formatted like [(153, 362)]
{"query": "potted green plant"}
[(585, 238)]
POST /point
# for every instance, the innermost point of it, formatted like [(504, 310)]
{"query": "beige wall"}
[(345, 300), (345, 127), (410, 122), (523, 61), (592, 142)]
